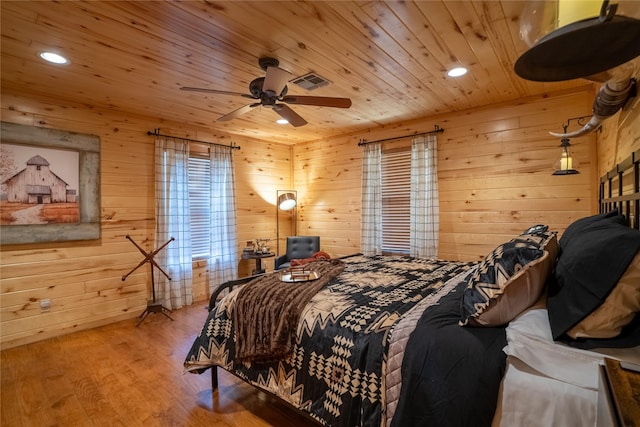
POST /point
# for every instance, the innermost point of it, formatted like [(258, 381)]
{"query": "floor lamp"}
[(286, 201)]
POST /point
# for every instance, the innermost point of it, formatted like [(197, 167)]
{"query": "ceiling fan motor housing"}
[(255, 87)]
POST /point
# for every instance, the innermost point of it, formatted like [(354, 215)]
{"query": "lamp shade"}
[(572, 39), (287, 201)]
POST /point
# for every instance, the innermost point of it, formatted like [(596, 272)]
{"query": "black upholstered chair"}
[(298, 247)]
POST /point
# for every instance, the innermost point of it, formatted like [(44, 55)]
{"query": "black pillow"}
[(577, 226), (594, 253)]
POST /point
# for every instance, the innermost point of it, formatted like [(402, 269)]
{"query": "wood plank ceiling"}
[(390, 58)]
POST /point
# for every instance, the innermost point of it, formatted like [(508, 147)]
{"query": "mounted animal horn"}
[(612, 96), (583, 39)]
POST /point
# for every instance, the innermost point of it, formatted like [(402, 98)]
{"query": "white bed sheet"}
[(547, 383)]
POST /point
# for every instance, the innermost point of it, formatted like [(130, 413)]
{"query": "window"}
[(199, 204), (396, 201)]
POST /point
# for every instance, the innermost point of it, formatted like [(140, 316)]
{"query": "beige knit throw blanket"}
[(267, 311)]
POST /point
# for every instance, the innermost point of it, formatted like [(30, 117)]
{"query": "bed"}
[(402, 341)]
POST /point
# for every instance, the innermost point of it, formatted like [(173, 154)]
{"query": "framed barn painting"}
[(49, 185)]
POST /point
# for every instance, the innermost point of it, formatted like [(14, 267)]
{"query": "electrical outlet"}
[(45, 305)]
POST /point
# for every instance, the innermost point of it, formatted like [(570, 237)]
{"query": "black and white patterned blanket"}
[(337, 370)]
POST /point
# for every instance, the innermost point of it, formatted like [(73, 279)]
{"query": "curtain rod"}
[(156, 132), (437, 129)]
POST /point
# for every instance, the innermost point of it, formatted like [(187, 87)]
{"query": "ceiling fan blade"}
[(219, 92), (236, 113), (275, 80), (320, 101), (289, 115)]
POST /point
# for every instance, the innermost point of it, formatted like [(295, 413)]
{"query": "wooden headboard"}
[(620, 189)]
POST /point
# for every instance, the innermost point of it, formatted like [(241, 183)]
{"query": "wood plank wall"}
[(83, 279), (494, 169), (494, 172), (620, 135)]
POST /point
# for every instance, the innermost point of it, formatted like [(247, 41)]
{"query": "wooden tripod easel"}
[(152, 305)]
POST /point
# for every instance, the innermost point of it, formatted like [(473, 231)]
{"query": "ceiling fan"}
[(272, 89)]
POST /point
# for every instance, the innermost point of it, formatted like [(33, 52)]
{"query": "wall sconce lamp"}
[(287, 200), (567, 165)]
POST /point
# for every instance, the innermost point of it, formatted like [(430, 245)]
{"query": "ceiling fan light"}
[(457, 72), (282, 121)]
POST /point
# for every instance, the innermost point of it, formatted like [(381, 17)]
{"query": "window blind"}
[(396, 201), (199, 204)]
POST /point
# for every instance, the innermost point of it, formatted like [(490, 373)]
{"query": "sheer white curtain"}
[(172, 220), (425, 205), (223, 259), (371, 216)]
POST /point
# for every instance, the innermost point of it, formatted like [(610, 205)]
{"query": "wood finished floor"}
[(123, 375)]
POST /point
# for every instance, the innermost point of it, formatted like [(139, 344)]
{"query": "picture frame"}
[(88, 149)]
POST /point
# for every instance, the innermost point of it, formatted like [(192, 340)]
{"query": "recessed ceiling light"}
[(457, 72), (54, 58), (281, 122)]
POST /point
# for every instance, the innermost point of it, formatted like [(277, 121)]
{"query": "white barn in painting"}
[(37, 184)]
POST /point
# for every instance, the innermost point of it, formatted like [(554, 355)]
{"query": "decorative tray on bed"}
[(298, 274)]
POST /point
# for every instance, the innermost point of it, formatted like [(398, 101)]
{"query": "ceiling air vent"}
[(310, 81)]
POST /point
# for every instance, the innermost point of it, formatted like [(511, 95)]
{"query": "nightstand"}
[(258, 257), (618, 396)]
